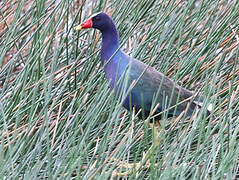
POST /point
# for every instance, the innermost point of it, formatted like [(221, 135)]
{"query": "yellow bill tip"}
[(79, 27)]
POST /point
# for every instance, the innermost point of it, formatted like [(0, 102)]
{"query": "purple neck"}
[(110, 43)]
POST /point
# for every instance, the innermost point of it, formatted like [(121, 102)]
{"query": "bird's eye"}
[(96, 18)]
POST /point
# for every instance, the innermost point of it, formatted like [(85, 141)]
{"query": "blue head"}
[(110, 37), (100, 21)]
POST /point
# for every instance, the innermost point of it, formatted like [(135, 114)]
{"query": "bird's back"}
[(150, 87)]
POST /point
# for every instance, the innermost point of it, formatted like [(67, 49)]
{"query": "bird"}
[(145, 85)]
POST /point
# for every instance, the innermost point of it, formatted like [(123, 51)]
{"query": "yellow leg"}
[(156, 132), (144, 163)]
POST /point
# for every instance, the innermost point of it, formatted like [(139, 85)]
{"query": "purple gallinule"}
[(148, 83)]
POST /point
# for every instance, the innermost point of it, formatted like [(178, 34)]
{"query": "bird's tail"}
[(198, 101)]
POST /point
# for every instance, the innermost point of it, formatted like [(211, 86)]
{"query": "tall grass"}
[(58, 118)]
